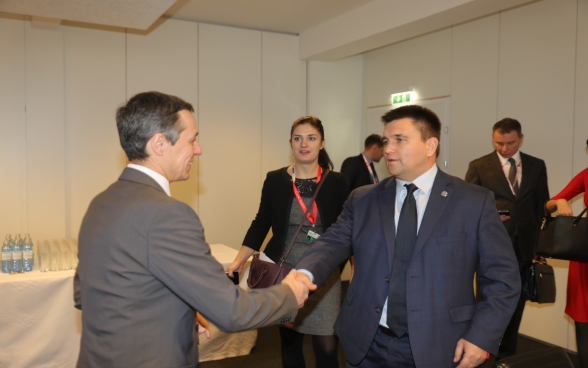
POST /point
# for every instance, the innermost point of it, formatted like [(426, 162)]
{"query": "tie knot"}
[(511, 161), (410, 189)]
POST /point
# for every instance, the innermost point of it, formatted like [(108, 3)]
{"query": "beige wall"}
[(529, 63), (60, 88)]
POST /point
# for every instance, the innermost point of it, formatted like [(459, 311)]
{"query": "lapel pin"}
[(443, 194)]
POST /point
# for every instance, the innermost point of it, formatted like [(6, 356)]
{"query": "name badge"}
[(311, 236)]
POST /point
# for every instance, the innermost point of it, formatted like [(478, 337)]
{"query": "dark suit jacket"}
[(144, 267), (459, 233), (355, 172), (527, 207), (276, 204)]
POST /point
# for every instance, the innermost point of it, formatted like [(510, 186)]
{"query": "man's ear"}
[(157, 144), (432, 144)]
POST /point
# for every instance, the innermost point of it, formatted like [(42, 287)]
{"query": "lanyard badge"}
[(311, 235)]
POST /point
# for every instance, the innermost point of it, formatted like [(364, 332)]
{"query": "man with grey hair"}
[(144, 265)]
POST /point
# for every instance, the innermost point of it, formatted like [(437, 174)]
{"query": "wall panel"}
[(335, 97), (94, 88), (45, 125), (166, 60), (12, 126), (230, 131), (283, 98), (423, 63), (474, 85)]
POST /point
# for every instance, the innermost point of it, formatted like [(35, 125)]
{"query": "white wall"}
[(59, 91), (529, 63)]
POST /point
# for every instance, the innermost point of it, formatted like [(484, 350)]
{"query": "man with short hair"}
[(519, 183), (360, 170), (144, 266), (418, 238)]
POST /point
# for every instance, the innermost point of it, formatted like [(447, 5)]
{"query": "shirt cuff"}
[(307, 273)]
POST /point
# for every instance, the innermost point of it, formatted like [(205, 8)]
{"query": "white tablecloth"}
[(39, 327), (226, 345)]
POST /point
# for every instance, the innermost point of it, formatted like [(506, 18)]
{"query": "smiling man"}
[(519, 183), (144, 266), (418, 237)]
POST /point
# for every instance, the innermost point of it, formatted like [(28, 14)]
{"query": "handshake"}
[(300, 284)]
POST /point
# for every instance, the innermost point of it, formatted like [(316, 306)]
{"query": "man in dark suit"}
[(418, 238), (144, 266), (360, 170), (519, 183)]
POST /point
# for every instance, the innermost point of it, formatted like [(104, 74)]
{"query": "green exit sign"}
[(401, 98)]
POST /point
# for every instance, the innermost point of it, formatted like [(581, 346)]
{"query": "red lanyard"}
[(311, 218)]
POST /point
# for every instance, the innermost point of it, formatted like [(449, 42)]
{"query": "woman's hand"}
[(562, 207), (242, 257)]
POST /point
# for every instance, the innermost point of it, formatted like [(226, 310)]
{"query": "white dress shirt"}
[(160, 179), (425, 184), (506, 167)]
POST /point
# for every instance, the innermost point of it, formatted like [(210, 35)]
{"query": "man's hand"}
[(302, 277), (468, 355), (299, 288), (504, 218), (202, 325)]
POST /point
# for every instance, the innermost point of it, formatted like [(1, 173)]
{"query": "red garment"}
[(577, 299)]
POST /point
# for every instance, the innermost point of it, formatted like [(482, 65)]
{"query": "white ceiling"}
[(285, 16), (328, 29)]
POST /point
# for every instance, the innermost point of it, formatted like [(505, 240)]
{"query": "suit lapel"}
[(528, 169), (495, 168), (387, 202), (440, 194)]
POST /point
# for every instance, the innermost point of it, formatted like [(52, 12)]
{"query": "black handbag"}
[(539, 283), (563, 237)]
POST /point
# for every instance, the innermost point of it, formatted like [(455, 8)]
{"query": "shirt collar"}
[(160, 179), (516, 156), (369, 160), (423, 182)]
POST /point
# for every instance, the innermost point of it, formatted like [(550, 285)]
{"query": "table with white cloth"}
[(39, 326)]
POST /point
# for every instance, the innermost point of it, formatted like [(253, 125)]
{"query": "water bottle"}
[(27, 254), (17, 254), (32, 249), (6, 255)]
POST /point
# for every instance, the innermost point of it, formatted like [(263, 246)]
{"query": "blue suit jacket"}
[(460, 233)]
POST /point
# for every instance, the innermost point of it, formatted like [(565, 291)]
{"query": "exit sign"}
[(401, 98)]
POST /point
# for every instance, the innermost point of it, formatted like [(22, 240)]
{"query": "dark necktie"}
[(406, 235), (374, 172), (512, 176)]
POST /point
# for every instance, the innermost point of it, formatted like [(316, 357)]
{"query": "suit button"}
[(378, 310), (386, 279)]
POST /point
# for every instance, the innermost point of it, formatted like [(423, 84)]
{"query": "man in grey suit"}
[(418, 238), (144, 265), (519, 183)]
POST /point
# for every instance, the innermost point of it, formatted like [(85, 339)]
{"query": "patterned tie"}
[(406, 235), (374, 171), (512, 176)]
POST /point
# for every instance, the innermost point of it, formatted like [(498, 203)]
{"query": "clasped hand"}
[(300, 285)]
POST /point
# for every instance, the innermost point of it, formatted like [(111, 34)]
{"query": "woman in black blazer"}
[(282, 208)]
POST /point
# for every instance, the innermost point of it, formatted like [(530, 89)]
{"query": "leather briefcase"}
[(545, 358)]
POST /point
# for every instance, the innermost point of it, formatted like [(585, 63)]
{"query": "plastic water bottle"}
[(6, 255), (32, 249), (17, 255), (27, 254)]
